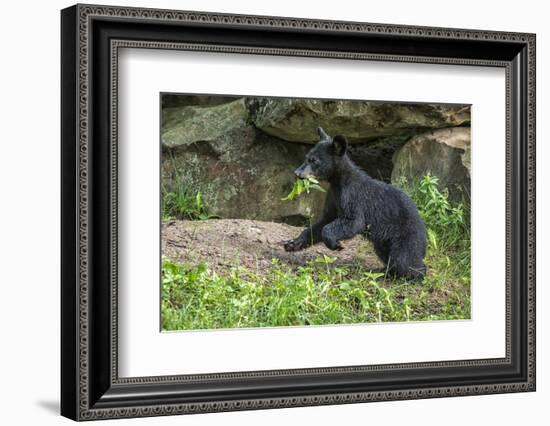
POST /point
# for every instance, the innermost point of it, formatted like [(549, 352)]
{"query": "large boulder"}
[(444, 153), (241, 172), (183, 126), (296, 120)]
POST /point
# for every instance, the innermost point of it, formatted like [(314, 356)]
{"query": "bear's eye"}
[(312, 160)]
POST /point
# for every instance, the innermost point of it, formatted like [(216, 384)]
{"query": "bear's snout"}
[(302, 172)]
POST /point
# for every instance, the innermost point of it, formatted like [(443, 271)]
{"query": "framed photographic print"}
[(263, 212)]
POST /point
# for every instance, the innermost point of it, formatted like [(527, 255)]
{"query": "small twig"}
[(387, 268), (174, 243)]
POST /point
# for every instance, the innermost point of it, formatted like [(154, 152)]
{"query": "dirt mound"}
[(253, 244)]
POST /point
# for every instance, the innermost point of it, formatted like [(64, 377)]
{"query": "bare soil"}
[(252, 244)]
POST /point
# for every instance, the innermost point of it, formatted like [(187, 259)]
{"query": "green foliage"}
[(449, 245), (193, 297), (184, 205), (303, 185), (185, 197), (441, 218)]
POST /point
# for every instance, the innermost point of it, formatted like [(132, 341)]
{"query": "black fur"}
[(357, 203)]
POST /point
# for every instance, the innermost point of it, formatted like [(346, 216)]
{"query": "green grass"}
[(184, 204), (183, 196), (195, 297)]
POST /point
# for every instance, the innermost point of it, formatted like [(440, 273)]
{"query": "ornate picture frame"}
[(91, 38)]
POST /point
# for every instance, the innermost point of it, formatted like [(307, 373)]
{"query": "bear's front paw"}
[(293, 245), (333, 245)]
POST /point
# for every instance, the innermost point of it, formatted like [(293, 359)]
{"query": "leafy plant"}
[(447, 225), (185, 196), (303, 185), (195, 297), (184, 205)]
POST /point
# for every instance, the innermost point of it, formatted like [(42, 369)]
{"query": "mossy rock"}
[(444, 153), (296, 120)]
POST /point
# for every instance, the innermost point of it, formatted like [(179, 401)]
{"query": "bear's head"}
[(324, 158)]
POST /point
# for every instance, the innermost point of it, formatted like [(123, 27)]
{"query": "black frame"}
[(91, 37)]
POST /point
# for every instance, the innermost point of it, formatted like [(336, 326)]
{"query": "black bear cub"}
[(357, 203)]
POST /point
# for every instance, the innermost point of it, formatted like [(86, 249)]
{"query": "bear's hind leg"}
[(410, 271), (403, 262), (382, 250)]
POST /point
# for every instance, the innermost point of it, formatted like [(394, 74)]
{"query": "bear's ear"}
[(322, 133), (339, 145)]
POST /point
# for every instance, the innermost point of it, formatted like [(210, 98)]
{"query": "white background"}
[(29, 225), (141, 345)]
